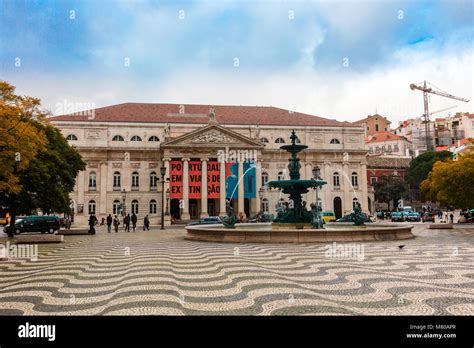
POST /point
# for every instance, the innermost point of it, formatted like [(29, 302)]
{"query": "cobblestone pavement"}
[(158, 272)]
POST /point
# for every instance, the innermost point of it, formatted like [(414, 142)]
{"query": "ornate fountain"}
[(294, 223), (294, 213)]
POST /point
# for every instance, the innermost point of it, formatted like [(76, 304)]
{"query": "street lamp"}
[(316, 176), (124, 196), (162, 172), (167, 201)]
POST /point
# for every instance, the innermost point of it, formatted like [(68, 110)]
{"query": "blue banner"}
[(231, 180), (250, 183)]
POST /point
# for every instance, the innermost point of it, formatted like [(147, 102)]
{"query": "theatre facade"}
[(208, 154)]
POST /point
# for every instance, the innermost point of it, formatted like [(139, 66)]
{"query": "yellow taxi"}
[(328, 216)]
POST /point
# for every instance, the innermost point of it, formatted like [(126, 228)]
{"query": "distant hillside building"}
[(373, 124), (389, 144)]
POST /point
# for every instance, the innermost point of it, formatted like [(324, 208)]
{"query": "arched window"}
[(136, 138), (354, 201), (334, 141), (152, 207), (117, 181), (298, 141), (335, 180), (153, 181), (116, 207), (264, 178), (281, 176), (153, 138), (92, 181), (377, 127), (279, 141), (71, 137), (355, 179), (91, 207), (264, 140), (134, 206), (118, 138), (265, 205), (135, 181)]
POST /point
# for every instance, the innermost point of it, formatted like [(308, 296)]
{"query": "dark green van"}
[(35, 223)]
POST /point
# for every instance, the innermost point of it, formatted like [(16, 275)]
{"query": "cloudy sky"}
[(335, 59)]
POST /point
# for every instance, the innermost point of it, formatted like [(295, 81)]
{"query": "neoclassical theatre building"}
[(208, 154)]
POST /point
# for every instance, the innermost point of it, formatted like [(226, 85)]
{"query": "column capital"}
[(204, 159), (185, 159), (166, 159)]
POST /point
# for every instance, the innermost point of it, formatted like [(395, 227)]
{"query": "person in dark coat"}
[(134, 221), (92, 220), (146, 223), (126, 222), (109, 223), (116, 223)]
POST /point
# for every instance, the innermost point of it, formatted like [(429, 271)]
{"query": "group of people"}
[(115, 221)]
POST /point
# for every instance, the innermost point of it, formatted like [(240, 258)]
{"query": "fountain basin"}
[(333, 232)]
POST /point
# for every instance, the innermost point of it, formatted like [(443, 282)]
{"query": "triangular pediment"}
[(213, 135)]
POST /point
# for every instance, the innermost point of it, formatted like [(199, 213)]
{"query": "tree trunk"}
[(11, 230)]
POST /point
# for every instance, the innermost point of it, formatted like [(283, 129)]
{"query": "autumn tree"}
[(422, 165), (40, 166), (452, 182), (20, 140)]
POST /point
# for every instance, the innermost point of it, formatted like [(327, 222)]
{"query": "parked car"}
[(428, 217), (397, 216), (35, 223), (206, 221), (413, 217), (265, 217), (328, 216)]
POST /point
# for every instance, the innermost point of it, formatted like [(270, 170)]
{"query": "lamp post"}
[(124, 196), (162, 172), (167, 202), (316, 176)]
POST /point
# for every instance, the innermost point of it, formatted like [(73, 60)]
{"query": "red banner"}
[(176, 179), (194, 179), (213, 179)]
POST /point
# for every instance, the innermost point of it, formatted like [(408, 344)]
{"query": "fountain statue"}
[(356, 216), (230, 219), (295, 213)]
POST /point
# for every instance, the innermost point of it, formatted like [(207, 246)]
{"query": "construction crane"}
[(425, 89)]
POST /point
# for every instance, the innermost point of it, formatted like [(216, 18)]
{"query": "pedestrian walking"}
[(146, 223), (109, 223), (116, 223), (126, 222), (451, 217), (134, 221), (92, 222)]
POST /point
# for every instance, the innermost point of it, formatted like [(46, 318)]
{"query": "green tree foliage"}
[(422, 165), (390, 189)]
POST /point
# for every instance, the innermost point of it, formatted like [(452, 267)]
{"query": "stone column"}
[(204, 212), (185, 212), (326, 190), (241, 189), (80, 191), (103, 188), (347, 186), (222, 189), (258, 185), (364, 184), (166, 162), (308, 174)]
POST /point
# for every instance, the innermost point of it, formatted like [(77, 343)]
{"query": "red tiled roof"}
[(442, 148), (225, 114), (384, 136)]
